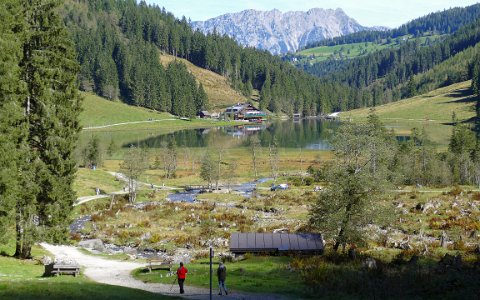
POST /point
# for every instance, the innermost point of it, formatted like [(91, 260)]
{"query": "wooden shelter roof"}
[(273, 242)]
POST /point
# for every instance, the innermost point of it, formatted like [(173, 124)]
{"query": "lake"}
[(306, 134)]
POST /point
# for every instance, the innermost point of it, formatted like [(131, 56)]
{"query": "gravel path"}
[(115, 272), (127, 123)]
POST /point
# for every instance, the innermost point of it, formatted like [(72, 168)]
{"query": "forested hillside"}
[(118, 42), (116, 67), (392, 74), (445, 22)]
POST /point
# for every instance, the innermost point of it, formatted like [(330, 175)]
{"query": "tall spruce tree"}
[(11, 131), (51, 106)]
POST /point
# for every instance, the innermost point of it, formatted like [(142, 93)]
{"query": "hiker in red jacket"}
[(181, 274)]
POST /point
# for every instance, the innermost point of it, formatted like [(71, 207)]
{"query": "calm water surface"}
[(309, 134), (306, 134)]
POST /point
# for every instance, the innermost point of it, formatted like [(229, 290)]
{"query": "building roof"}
[(272, 242)]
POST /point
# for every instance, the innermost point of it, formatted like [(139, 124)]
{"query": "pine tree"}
[(52, 106), (12, 132), (265, 94), (201, 99), (93, 153), (411, 87)]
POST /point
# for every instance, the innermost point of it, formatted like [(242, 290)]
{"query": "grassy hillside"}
[(217, 87), (353, 50), (432, 111), (98, 111)]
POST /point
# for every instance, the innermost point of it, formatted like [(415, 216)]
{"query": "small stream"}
[(245, 189), (78, 225)]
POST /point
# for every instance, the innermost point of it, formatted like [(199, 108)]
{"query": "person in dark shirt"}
[(222, 276)]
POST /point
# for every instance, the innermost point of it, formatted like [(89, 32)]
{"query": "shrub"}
[(76, 236), (308, 181), (207, 229), (460, 245), (155, 238), (98, 217), (456, 191), (145, 223)]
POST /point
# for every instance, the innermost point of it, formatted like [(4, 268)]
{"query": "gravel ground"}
[(115, 272)]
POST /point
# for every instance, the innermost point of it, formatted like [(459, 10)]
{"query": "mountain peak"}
[(281, 32)]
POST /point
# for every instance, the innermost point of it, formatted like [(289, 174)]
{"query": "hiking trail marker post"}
[(211, 271)]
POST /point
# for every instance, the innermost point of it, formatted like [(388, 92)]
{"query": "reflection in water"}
[(310, 134)]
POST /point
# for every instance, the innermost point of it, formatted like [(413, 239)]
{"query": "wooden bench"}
[(58, 269), (158, 264)]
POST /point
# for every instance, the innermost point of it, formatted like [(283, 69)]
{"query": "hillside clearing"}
[(220, 93), (354, 50)]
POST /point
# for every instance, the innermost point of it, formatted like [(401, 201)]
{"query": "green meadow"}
[(432, 111)]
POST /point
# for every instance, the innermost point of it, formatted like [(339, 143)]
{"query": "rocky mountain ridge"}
[(279, 32)]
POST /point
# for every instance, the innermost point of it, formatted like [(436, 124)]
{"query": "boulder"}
[(63, 260), (95, 244), (130, 250), (146, 236), (227, 257), (370, 263), (444, 240), (430, 207), (46, 260)]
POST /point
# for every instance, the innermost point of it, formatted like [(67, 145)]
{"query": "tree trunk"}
[(337, 243), (26, 251), (254, 160), (112, 201), (19, 231), (217, 178), (23, 246), (344, 224)]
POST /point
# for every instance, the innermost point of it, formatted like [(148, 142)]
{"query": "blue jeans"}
[(222, 286)]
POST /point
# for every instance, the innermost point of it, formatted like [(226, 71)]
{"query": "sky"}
[(390, 13)]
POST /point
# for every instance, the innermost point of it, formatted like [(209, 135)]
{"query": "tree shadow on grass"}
[(460, 93), (466, 96), (5, 254), (414, 278), (470, 99)]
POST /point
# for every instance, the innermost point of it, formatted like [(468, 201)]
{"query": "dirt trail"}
[(126, 123), (120, 176), (115, 272)]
